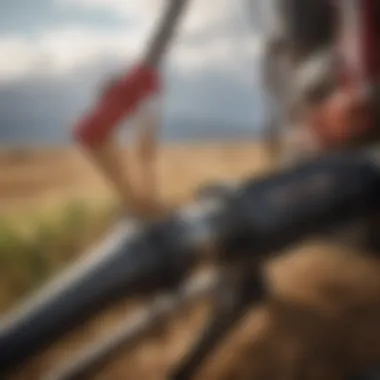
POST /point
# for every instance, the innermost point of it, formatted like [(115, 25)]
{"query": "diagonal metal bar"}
[(165, 32), (135, 328)]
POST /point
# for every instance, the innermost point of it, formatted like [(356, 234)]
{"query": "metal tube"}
[(132, 259), (165, 32), (64, 302), (135, 328), (265, 215)]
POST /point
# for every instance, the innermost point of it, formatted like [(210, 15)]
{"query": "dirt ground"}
[(320, 319)]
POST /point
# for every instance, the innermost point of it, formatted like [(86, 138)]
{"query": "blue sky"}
[(55, 53), (21, 17)]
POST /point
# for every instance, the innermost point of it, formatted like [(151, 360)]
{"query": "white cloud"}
[(211, 68), (60, 52), (129, 8), (199, 14), (212, 35), (17, 58)]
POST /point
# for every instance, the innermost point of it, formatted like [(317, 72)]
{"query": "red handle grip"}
[(118, 102)]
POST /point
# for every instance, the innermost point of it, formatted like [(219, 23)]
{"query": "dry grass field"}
[(33, 178), (321, 318)]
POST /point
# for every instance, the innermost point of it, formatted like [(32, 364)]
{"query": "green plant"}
[(35, 248)]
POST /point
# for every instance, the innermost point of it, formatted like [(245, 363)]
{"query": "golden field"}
[(34, 177), (319, 321)]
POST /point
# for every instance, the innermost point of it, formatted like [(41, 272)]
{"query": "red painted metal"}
[(117, 103)]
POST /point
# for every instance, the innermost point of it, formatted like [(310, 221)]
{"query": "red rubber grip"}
[(117, 103)]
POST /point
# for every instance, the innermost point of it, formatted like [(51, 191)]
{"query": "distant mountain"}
[(178, 128), (203, 106)]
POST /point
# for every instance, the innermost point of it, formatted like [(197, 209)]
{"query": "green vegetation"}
[(35, 247)]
